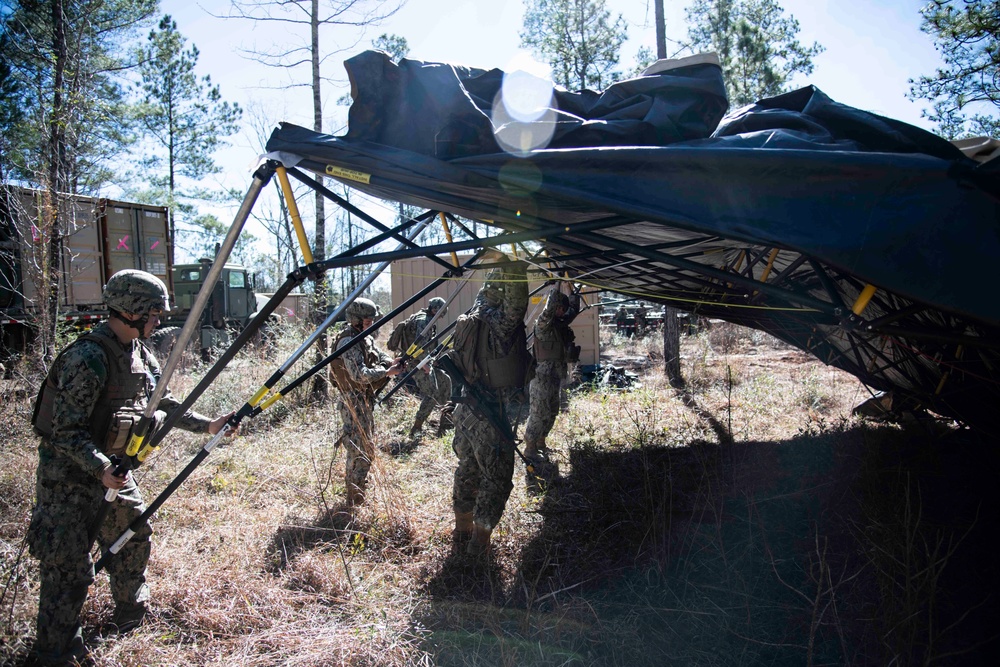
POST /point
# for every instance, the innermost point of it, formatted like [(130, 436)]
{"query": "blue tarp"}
[(797, 192)]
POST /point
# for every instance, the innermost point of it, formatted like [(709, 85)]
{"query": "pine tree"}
[(183, 116), (756, 43), (63, 102), (579, 39), (314, 16), (967, 35)]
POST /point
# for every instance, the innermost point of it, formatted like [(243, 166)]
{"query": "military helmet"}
[(136, 292), (437, 303), (361, 309), (560, 300)]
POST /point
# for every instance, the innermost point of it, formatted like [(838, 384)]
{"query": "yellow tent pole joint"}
[(146, 451), (134, 444), (866, 295), (293, 210), (739, 261), (447, 235), (944, 378), (770, 265), (266, 404), (255, 399)]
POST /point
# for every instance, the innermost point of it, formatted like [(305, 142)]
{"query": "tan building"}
[(411, 275)]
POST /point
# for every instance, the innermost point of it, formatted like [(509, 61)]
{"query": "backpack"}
[(478, 365), (396, 342)]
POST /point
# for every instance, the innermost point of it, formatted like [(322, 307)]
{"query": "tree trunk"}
[(320, 386), (661, 31), (52, 210), (672, 347)]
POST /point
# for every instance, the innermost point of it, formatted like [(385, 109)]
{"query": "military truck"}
[(99, 237), (231, 306)]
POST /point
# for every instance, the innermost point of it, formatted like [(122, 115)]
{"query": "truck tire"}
[(162, 342)]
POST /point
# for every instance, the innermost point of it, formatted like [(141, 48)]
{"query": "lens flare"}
[(523, 118)]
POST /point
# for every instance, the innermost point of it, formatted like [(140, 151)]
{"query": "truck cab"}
[(231, 306)]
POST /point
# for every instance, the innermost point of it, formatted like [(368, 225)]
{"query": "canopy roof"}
[(863, 240)]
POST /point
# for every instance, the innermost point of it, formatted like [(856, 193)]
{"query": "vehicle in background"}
[(232, 304)]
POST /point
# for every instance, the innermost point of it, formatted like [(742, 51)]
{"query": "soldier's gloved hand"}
[(112, 481), (219, 422)]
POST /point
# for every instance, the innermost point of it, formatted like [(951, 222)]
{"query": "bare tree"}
[(310, 17)]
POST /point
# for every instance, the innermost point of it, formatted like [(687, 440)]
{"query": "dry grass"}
[(744, 519)]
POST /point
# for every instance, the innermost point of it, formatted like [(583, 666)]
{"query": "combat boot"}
[(463, 531), (77, 655), (479, 544), (531, 450), (418, 426), (128, 617)]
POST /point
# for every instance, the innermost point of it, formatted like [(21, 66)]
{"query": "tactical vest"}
[(339, 375), (120, 405), (551, 350), (501, 369)]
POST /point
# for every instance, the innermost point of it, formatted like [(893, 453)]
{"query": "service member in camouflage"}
[(433, 384), (96, 391), (485, 464), (621, 320), (554, 347), (357, 374)]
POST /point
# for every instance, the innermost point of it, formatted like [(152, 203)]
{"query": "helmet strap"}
[(139, 325)]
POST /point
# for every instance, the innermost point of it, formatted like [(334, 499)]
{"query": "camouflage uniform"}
[(640, 321), (69, 492), (551, 340), (364, 364), (434, 387), (485, 465), (621, 319)]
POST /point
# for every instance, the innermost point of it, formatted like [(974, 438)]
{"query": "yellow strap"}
[(293, 211)]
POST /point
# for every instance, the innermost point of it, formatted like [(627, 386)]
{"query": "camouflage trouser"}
[(434, 388), (357, 435), (57, 537), (485, 468), (544, 394)]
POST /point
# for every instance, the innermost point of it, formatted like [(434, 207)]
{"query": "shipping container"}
[(101, 236)]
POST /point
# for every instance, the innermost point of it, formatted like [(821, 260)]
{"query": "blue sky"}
[(873, 47)]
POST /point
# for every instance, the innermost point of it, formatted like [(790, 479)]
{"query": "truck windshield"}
[(189, 275)]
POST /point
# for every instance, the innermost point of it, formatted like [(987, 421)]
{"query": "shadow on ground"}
[(865, 546)]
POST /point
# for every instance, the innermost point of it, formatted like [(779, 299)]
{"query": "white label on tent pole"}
[(348, 174)]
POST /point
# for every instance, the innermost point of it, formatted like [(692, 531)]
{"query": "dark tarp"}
[(775, 216)]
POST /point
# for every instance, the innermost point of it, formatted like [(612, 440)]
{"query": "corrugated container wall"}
[(136, 237), (411, 275), (81, 256)]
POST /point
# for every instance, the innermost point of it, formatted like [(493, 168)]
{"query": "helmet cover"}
[(136, 292)]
